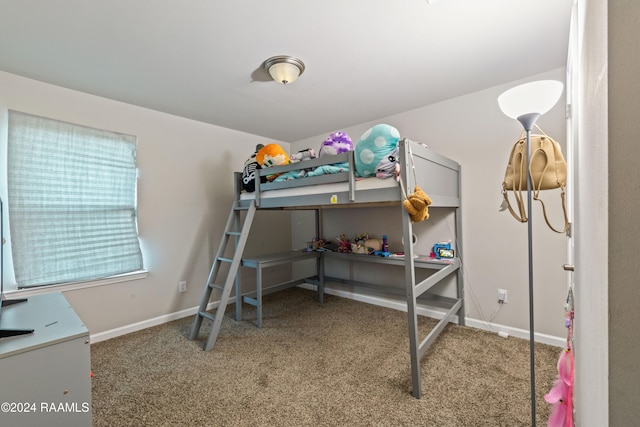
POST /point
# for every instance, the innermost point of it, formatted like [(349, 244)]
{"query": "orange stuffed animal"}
[(272, 155)]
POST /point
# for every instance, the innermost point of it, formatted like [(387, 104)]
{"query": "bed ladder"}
[(240, 231)]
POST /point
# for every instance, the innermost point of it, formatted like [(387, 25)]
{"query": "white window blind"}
[(71, 201)]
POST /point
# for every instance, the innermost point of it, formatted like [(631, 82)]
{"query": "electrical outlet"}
[(182, 286), (502, 296)]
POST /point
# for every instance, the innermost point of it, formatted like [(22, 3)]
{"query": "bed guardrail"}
[(348, 176), (437, 175)]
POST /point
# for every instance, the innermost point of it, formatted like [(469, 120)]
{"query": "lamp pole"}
[(526, 103), (527, 121)]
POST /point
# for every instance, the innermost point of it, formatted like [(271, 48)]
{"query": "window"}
[(71, 201)]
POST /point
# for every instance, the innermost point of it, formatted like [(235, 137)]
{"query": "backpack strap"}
[(536, 194), (521, 215)]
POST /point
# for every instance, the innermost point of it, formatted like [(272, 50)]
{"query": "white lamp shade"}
[(535, 97), (284, 72)]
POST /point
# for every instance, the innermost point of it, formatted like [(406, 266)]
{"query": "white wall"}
[(185, 193), (591, 219), (472, 130)]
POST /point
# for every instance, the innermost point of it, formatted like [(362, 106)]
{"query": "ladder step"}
[(207, 315), (234, 233), (225, 259), (214, 286), (250, 301)]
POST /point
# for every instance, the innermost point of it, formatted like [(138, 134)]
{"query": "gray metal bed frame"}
[(436, 174)]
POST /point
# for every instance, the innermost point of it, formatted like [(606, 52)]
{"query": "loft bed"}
[(436, 174)]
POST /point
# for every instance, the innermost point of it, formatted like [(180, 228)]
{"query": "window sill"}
[(64, 287)]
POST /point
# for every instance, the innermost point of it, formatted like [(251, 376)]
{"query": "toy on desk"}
[(384, 252), (363, 244), (360, 248), (315, 244), (443, 250), (344, 245)]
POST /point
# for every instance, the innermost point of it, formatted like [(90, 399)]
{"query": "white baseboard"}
[(134, 327), (436, 314), (375, 300)]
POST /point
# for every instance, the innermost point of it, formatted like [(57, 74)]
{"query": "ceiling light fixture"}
[(284, 69)]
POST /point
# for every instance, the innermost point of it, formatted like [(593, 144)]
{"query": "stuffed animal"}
[(417, 205), (344, 244), (373, 152), (300, 156), (249, 172), (272, 155), (306, 154), (336, 143), (363, 244), (388, 166)]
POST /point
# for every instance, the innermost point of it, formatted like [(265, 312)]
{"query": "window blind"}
[(71, 201)]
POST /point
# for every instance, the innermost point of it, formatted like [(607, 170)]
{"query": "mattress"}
[(329, 189)]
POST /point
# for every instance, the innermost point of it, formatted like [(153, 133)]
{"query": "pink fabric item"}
[(561, 394)]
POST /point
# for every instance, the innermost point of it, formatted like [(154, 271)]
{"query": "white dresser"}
[(45, 376)]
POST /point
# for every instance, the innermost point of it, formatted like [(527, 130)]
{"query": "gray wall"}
[(624, 208), (607, 228)]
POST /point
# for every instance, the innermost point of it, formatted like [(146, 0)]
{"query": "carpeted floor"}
[(342, 363)]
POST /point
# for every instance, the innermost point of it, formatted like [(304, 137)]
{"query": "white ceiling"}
[(201, 59)]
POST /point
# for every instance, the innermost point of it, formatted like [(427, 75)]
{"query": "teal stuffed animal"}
[(376, 152)]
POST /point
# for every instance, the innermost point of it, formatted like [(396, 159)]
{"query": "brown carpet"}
[(342, 363)]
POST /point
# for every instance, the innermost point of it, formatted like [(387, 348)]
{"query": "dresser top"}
[(50, 316)]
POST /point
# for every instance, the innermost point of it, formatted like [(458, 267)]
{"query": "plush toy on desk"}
[(365, 244), (376, 152), (344, 244), (272, 155)]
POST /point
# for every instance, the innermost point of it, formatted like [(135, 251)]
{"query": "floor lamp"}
[(526, 103)]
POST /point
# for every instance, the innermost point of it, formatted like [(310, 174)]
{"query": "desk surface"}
[(420, 261), (50, 316), (273, 259)]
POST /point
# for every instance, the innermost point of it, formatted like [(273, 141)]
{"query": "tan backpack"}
[(548, 171)]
